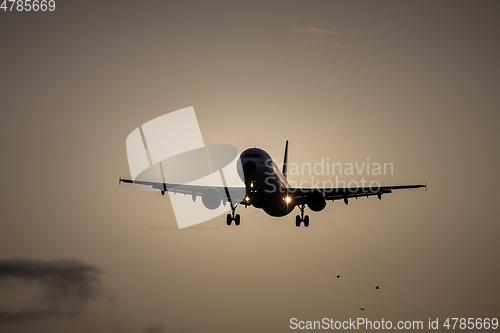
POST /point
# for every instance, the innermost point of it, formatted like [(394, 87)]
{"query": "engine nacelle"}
[(211, 198), (316, 201)]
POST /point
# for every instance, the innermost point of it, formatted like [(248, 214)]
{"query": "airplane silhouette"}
[(267, 188)]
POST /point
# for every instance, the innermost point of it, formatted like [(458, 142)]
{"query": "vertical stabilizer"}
[(285, 160)]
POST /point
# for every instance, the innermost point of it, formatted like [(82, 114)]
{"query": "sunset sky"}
[(412, 83)]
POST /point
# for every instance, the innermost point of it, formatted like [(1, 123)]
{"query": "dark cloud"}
[(65, 287), (161, 329), (153, 329)]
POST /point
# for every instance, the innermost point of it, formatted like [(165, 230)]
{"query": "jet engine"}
[(211, 198), (316, 201)]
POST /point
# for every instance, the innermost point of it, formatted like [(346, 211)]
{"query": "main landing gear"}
[(301, 218), (232, 217)]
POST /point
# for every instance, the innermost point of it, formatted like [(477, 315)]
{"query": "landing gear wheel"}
[(233, 217), (306, 221), (297, 221), (301, 218)]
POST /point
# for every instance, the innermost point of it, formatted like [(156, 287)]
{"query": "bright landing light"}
[(288, 199)]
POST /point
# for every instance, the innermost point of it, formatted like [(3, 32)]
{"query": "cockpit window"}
[(252, 155)]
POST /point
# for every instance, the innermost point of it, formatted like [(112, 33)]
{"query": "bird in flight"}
[(338, 276), (377, 287), (362, 309)]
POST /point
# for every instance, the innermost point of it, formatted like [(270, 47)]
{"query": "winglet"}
[(425, 187), (285, 160), (120, 181)]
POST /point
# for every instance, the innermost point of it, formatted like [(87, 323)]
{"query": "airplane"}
[(267, 188)]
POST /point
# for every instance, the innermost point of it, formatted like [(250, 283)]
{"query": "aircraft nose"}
[(249, 167)]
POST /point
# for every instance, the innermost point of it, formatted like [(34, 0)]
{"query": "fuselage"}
[(266, 187)]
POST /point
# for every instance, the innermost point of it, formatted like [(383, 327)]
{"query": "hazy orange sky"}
[(412, 83)]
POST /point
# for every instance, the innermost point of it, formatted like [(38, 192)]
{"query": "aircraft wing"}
[(298, 195), (193, 190)]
